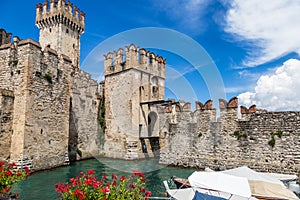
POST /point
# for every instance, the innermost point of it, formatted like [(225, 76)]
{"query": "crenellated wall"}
[(38, 111), (5, 37), (266, 141), (134, 57), (133, 77), (51, 114), (61, 25)]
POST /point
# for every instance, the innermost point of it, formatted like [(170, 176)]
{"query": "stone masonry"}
[(266, 141), (48, 106), (132, 77)]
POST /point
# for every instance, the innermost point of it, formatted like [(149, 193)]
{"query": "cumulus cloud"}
[(273, 26), (278, 91)]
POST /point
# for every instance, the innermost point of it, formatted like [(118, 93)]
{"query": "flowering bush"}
[(88, 186), (9, 176)]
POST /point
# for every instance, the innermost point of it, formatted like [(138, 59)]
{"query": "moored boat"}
[(230, 184)]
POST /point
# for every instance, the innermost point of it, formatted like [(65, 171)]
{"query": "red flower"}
[(122, 178), (79, 194), (91, 171), (12, 165), (143, 179), (148, 193), (1, 168), (114, 176), (61, 188), (27, 170), (142, 190), (88, 181), (8, 173), (114, 183), (1, 163), (105, 190), (6, 189), (73, 181), (96, 185), (131, 185), (104, 176), (137, 173)]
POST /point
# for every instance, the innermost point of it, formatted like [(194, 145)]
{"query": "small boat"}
[(181, 182), (237, 184)]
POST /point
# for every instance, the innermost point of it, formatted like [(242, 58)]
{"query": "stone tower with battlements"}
[(134, 80), (61, 26), (48, 105)]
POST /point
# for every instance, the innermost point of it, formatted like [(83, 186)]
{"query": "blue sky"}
[(254, 45)]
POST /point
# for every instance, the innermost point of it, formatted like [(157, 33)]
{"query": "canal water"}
[(40, 185)]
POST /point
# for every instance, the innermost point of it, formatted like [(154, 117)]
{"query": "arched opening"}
[(152, 120), (154, 81)]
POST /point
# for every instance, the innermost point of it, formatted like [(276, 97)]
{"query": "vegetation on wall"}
[(13, 62), (48, 77), (102, 114), (239, 135), (272, 141)]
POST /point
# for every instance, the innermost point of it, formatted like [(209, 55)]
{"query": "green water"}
[(40, 185)]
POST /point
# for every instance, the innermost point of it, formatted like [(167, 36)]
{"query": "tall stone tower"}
[(134, 80), (61, 26)]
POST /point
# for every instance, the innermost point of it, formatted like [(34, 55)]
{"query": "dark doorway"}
[(152, 118)]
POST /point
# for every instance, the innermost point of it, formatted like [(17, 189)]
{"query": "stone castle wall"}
[(42, 84), (132, 77), (49, 107), (6, 121), (229, 142), (84, 125)]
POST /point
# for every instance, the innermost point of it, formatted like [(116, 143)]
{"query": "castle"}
[(52, 112), (48, 106)]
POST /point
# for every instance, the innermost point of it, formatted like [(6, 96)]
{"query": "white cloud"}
[(278, 91), (272, 25)]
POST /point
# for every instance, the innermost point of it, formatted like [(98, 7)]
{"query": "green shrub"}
[(48, 77), (239, 135), (272, 142)]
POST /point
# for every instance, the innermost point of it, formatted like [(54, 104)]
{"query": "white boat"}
[(236, 184)]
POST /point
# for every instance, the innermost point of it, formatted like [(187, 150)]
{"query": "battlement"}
[(224, 106), (5, 38), (134, 57), (60, 12)]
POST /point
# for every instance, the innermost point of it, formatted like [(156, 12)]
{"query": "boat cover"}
[(252, 175), (221, 182), (271, 191), (201, 196)]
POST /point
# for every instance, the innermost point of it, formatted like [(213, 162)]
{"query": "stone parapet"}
[(134, 57)]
